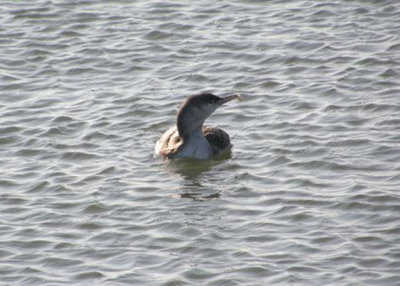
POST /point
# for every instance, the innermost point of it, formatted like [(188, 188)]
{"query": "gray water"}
[(310, 195)]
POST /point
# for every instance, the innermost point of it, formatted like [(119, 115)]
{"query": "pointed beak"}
[(229, 98)]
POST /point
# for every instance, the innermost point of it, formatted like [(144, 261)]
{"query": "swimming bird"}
[(189, 138)]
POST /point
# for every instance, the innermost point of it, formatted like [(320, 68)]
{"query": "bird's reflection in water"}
[(199, 196), (191, 170)]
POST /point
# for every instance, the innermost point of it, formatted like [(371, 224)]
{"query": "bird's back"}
[(170, 142), (218, 139)]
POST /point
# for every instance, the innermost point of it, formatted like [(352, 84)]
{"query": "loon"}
[(189, 138)]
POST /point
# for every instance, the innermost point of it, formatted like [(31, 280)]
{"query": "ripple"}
[(9, 140), (89, 275), (76, 156), (309, 195)]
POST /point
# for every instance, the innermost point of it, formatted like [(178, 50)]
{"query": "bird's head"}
[(197, 108)]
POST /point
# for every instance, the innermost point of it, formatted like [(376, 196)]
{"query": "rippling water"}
[(309, 197)]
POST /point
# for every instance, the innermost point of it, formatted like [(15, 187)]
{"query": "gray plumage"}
[(189, 138)]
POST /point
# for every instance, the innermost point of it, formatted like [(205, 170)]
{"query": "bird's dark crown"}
[(202, 98)]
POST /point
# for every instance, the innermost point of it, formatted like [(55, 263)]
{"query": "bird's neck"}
[(189, 124), (194, 143), (196, 146)]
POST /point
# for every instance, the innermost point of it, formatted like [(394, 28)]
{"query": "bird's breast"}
[(195, 147)]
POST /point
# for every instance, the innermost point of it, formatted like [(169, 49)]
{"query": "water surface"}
[(309, 197)]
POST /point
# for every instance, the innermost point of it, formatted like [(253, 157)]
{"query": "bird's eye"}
[(211, 101)]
